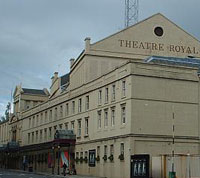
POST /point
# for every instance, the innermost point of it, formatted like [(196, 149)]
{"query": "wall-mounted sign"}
[(153, 46), (140, 166), (92, 156)]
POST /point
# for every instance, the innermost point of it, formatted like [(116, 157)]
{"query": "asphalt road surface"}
[(11, 174), (17, 174)]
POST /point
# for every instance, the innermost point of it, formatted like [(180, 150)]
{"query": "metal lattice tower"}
[(131, 12)]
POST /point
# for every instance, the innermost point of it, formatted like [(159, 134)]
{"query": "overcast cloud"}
[(38, 37)]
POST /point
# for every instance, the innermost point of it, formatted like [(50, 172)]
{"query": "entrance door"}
[(140, 166)]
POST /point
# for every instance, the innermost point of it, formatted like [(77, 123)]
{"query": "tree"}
[(7, 113), (3, 118), (8, 107)]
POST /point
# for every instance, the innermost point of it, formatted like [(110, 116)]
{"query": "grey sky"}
[(38, 37)]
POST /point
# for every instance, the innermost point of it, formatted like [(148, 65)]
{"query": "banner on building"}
[(50, 160), (64, 158)]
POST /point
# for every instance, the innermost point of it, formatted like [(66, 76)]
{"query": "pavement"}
[(12, 173)]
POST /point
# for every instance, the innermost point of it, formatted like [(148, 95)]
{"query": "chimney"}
[(71, 62), (46, 91), (87, 44), (54, 77)]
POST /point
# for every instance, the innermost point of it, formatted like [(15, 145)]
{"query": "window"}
[(111, 149), (100, 97), (32, 137), (67, 110), (37, 120), (105, 150), (123, 114), (79, 128), (87, 100), (86, 126), (27, 105), (81, 155), (55, 128), (28, 123), (50, 115), (99, 120), (113, 92), (45, 134), (123, 88), (122, 149), (61, 111), (79, 105), (106, 118), (36, 136), (66, 126), (45, 117), (72, 125), (41, 118), (29, 137), (73, 107), (86, 154), (112, 116), (77, 154), (40, 135), (98, 150), (60, 126), (55, 114), (33, 121), (158, 31), (106, 95), (50, 134)]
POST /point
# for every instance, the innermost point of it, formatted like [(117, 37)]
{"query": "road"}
[(11, 174), (17, 174)]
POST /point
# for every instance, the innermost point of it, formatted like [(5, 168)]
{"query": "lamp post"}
[(58, 159), (53, 160), (8, 160), (172, 174)]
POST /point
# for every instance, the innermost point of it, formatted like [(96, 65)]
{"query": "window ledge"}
[(99, 130), (86, 135), (105, 129), (122, 126), (112, 128)]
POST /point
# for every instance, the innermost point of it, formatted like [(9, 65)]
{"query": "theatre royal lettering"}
[(144, 45)]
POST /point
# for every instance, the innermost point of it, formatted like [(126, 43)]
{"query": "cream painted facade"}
[(117, 104), (4, 132)]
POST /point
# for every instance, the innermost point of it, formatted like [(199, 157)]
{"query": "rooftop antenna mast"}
[(131, 12)]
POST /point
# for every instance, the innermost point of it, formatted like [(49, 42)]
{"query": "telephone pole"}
[(131, 12)]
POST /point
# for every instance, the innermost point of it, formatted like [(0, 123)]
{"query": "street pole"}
[(172, 174), (173, 127), (58, 159), (53, 160)]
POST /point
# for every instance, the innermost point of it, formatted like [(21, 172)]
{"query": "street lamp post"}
[(58, 159), (53, 160), (172, 174)]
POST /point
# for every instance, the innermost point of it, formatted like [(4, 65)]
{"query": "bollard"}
[(172, 174)]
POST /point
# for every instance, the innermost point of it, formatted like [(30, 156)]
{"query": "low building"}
[(122, 97), (4, 132)]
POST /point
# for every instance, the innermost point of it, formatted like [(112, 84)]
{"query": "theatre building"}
[(120, 99)]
